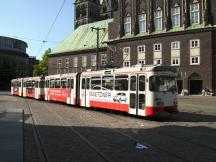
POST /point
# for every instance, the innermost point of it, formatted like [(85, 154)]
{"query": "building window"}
[(176, 16), (195, 43), (142, 23), (103, 59), (126, 64), (158, 61), (175, 61), (112, 57), (93, 60), (126, 56), (67, 63), (194, 13), (59, 61), (127, 25), (157, 47), (141, 49), (195, 60), (175, 45), (158, 19), (84, 61), (75, 62), (58, 66), (141, 61), (66, 70), (126, 50)]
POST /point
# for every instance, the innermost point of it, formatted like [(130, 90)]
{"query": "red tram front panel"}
[(17, 87)]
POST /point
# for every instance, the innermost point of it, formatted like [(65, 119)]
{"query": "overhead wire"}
[(31, 39), (50, 29)]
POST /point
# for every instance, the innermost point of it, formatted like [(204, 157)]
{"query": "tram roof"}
[(17, 79), (61, 76), (33, 78), (133, 69)]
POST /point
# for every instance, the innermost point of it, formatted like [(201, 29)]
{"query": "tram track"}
[(132, 137), (43, 155), (94, 148), (138, 140), (40, 145)]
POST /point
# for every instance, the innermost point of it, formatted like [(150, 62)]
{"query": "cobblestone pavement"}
[(76, 134)]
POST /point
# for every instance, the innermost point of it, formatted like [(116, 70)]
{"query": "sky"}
[(31, 20)]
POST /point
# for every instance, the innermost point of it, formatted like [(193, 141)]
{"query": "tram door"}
[(137, 95), (85, 94)]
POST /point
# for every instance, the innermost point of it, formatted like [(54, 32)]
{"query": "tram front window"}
[(162, 84)]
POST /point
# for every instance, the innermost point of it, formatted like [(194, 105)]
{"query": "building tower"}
[(86, 11), (107, 8)]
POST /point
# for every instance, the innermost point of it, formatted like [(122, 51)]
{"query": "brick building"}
[(180, 33), (14, 61)]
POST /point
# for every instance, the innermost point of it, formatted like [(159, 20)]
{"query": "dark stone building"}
[(89, 11), (180, 33), (14, 62)]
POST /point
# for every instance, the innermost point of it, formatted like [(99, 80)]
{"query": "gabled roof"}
[(83, 38)]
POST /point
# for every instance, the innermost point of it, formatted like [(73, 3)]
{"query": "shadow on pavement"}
[(165, 143)]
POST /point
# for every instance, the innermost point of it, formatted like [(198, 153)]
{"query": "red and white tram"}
[(16, 87), (61, 88), (138, 90), (33, 87)]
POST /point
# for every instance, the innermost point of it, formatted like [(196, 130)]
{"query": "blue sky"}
[(30, 21)]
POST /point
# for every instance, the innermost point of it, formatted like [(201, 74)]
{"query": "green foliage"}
[(42, 67)]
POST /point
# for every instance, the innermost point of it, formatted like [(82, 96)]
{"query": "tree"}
[(42, 67)]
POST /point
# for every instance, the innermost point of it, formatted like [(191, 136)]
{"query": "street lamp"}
[(97, 48)]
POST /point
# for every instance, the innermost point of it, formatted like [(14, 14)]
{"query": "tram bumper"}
[(155, 111)]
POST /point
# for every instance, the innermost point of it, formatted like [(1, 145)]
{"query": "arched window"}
[(127, 24), (142, 22), (175, 13), (158, 19), (194, 13)]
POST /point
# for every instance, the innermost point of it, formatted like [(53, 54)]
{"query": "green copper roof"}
[(83, 38)]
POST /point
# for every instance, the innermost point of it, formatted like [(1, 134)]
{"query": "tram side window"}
[(142, 83), (87, 83), (41, 84), (96, 83), (107, 83), (28, 84), (36, 84), (24, 84), (64, 83), (121, 82), (57, 83), (52, 83), (70, 83), (83, 83), (33, 84), (133, 83), (47, 83)]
